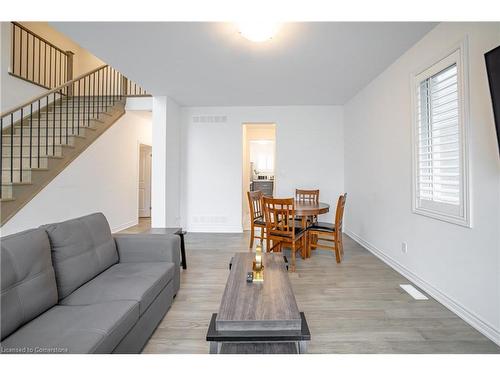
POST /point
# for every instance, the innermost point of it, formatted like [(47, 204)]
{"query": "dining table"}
[(305, 209)]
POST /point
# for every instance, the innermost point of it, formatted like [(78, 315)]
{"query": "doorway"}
[(145, 157), (259, 158)]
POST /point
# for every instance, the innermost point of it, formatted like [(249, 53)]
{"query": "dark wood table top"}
[(163, 231), (268, 305), (305, 208)]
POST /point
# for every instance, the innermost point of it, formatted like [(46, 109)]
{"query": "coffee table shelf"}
[(258, 313), (259, 348)]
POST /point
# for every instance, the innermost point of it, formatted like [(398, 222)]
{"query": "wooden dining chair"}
[(307, 195), (281, 228), (256, 215), (311, 196), (329, 232)]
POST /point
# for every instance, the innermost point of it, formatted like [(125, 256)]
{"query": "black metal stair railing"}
[(39, 128), (36, 60)]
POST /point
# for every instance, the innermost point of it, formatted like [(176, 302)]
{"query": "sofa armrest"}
[(148, 248)]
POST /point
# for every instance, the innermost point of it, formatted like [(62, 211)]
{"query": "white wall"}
[(15, 91), (103, 178), (458, 265), (173, 164), (159, 159), (165, 194), (309, 154)]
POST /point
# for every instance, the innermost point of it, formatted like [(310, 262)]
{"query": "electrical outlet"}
[(404, 247)]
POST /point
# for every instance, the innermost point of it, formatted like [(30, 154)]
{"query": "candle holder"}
[(258, 267)]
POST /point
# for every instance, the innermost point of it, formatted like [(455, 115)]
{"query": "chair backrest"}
[(255, 203), (339, 214), (280, 215), (307, 195)]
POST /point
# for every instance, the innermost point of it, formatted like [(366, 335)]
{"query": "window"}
[(262, 155), (440, 168)]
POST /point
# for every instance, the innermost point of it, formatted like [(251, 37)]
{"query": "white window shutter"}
[(439, 183)]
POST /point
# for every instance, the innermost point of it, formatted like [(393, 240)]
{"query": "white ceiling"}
[(212, 64)]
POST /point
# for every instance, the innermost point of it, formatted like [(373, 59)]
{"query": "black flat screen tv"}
[(493, 68)]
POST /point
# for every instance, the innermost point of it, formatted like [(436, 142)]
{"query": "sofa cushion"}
[(81, 249), (75, 329), (28, 285), (140, 282)]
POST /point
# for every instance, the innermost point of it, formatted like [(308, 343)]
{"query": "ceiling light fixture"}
[(258, 31)]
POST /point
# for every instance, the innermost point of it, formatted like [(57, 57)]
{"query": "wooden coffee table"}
[(258, 317)]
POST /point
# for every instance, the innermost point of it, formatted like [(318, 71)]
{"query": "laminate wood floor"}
[(353, 307)]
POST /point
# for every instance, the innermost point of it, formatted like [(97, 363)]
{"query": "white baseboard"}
[(454, 306), (120, 227), (214, 228)]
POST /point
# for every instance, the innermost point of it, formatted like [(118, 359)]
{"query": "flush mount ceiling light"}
[(258, 31)]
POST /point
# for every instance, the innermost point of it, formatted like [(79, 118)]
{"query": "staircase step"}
[(110, 101), (7, 192), (84, 115), (83, 103), (49, 131), (50, 127), (41, 163), (89, 98), (58, 124), (64, 110), (8, 188), (62, 117), (35, 141), (16, 175), (83, 106), (16, 151), (62, 102)]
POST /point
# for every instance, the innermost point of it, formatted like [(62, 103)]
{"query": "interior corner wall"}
[(458, 266), (15, 91), (104, 178), (173, 164), (165, 193), (309, 154), (159, 160)]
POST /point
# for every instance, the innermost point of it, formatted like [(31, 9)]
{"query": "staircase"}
[(41, 137)]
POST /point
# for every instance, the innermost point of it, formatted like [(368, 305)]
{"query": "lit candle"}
[(258, 260), (258, 257)]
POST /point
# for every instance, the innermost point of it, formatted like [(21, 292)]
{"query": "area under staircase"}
[(41, 137)]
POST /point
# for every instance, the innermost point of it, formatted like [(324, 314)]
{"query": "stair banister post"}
[(124, 86), (69, 71)]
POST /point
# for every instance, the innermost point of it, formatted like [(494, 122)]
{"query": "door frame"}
[(140, 148), (244, 139)]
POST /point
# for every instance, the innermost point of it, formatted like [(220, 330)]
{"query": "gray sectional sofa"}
[(72, 287)]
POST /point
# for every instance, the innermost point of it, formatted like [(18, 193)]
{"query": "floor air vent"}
[(412, 291)]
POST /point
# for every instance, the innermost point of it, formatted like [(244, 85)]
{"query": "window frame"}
[(442, 211)]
